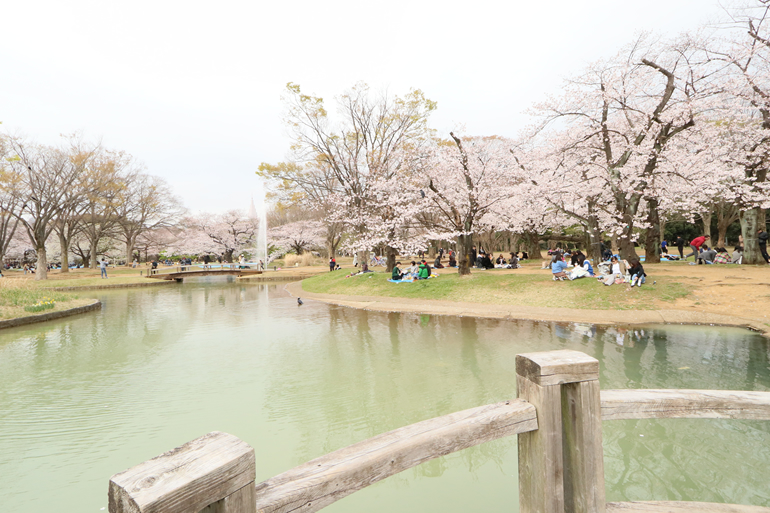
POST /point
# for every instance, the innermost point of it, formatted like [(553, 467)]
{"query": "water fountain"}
[(259, 212)]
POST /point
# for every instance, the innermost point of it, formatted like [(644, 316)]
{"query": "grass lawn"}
[(495, 287), (81, 278), (15, 295)]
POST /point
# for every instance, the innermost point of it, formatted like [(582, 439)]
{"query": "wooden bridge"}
[(188, 271), (557, 417)]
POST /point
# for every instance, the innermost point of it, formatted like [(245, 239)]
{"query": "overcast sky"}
[(192, 89)]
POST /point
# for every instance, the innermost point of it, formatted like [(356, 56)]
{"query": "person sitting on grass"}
[(582, 269), (452, 259), (396, 274), (617, 272), (500, 261), (557, 269), (737, 256), (424, 272), (513, 263), (486, 262), (706, 255), (722, 256), (637, 272), (437, 263)]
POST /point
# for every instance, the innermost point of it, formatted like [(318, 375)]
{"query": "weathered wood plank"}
[(557, 367), (685, 404), (322, 481), (681, 507), (583, 452), (186, 479), (242, 501), (541, 468)]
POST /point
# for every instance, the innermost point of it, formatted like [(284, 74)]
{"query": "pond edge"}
[(31, 319), (524, 313)]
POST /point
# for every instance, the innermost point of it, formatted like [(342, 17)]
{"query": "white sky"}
[(192, 89)]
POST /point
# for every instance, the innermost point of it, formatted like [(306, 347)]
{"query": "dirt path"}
[(722, 295)]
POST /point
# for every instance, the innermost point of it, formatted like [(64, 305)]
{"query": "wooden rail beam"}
[(327, 479), (215, 471), (681, 507), (685, 404)]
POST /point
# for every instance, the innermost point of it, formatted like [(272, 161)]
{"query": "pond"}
[(86, 397)]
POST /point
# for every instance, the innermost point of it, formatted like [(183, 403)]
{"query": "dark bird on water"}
[(299, 301)]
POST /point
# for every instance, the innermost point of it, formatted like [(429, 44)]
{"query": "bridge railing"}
[(198, 268), (557, 416)]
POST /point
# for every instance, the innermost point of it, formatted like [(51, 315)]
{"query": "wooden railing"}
[(557, 416)]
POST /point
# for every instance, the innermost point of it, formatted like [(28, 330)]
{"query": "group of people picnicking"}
[(572, 265), (702, 253), (611, 271)]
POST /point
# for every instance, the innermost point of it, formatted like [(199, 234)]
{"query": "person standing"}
[(103, 267), (663, 247), (695, 245), (474, 255), (680, 246), (762, 238), (332, 264)]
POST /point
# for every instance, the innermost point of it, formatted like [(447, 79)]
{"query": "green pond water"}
[(89, 396)]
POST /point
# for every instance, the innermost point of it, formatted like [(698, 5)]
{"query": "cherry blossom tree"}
[(364, 154), (223, 234), (744, 119), (621, 115), (299, 236), (466, 179)]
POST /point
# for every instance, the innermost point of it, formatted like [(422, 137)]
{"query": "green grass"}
[(89, 281), (491, 287), (18, 298)]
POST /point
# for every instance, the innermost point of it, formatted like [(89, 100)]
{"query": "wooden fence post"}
[(213, 474), (561, 467)]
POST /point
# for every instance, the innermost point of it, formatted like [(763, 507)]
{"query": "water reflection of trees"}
[(336, 375), (376, 372)]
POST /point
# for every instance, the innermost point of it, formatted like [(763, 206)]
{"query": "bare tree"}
[(146, 204), (9, 202), (42, 177)]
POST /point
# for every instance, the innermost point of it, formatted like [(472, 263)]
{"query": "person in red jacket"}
[(695, 245)]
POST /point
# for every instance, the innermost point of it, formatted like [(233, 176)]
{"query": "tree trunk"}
[(391, 258), (228, 256), (626, 240), (94, 248), (722, 227), (464, 244), (652, 238), (594, 249), (363, 257), (432, 250), (330, 249), (749, 225), (129, 254), (65, 249), (706, 217), (41, 268), (532, 245)]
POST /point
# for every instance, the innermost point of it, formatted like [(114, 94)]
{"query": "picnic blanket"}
[(411, 280)]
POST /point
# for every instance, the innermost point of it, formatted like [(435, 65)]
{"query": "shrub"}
[(304, 259)]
